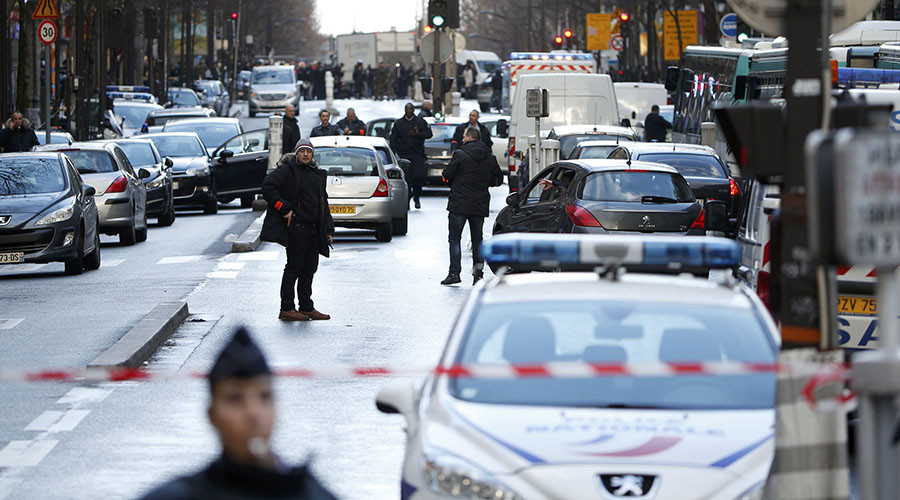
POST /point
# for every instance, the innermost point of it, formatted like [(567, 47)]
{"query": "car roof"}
[(670, 147), (604, 142), (46, 154), (172, 134), (211, 119), (137, 102), (139, 140), (604, 165), (180, 89), (86, 146), (191, 111), (366, 140), (340, 141), (562, 130), (273, 66)]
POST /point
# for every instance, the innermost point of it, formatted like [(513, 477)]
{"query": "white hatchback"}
[(564, 385)]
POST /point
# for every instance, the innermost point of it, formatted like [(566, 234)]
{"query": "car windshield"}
[(210, 87), (596, 152), (568, 143), (347, 161), (90, 162), (184, 97), (442, 132), (177, 146), (134, 115), (273, 76), (30, 176), (212, 135), (488, 66), (139, 154), (634, 185), (618, 332), (689, 165)]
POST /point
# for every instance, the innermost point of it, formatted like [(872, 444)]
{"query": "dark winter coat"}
[(18, 140), (472, 170), (461, 130), (290, 134), (404, 143), (227, 480), (357, 127), (280, 191), (655, 127), (331, 129)]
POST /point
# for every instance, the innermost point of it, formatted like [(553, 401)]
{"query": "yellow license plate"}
[(864, 306), (343, 209)]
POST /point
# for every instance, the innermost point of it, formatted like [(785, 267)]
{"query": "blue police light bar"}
[(135, 96), (127, 88), (867, 76), (580, 252), (549, 56)]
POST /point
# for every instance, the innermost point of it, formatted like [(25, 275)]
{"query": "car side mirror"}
[(394, 174), (88, 190), (626, 122), (397, 397), (168, 162), (253, 143), (404, 163), (502, 129), (227, 153), (716, 216), (143, 173), (513, 199)]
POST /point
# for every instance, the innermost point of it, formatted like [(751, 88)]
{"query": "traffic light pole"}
[(437, 75)]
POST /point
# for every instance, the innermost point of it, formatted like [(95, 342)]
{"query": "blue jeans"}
[(456, 224)]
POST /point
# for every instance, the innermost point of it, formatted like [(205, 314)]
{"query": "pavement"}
[(387, 305)]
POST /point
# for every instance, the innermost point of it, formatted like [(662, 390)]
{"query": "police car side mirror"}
[(502, 129), (513, 199), (397, 397), (716, 216)]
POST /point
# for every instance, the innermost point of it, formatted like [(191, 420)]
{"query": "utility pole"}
[(103, 16), (210, 35), (5, 66), (81, 51)]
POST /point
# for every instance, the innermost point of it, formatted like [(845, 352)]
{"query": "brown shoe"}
[(292, 316), (315, 315)]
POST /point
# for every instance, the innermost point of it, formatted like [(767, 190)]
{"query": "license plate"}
[(343, 209), (859, 306), (12, 258), (436, 172)]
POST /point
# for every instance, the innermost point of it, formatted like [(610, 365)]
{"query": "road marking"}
[(259, 256), (110, 262), (223, 274), (24, 453), (22, 268), (57, 421), (348, 254), (181, 259), (230, 266), (80, 395), (10, 323)]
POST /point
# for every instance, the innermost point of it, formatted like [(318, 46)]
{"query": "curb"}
[(249, 240), (141, 342)]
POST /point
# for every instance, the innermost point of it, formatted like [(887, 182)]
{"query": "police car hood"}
[(505, 439)]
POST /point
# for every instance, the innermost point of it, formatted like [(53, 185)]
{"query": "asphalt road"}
[(117, 440)]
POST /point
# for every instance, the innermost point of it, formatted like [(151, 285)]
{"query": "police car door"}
[(240, 164)]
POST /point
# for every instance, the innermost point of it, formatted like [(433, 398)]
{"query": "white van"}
[(575, 99), (486, 62), (635, 100)]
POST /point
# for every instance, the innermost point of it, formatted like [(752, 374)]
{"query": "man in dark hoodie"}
[(299, 219), (472, 170), (408, 136)]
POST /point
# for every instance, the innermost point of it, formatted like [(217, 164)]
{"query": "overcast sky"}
[(337, 17)]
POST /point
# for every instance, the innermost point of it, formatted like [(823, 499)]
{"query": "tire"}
[(141, 234), (246, 201), (92, 260), (128, 236), (384, 232), (168, 218), (211, 207), (76, 265), (401, 226)]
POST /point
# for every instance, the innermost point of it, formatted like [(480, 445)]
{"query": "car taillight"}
[(118, 186), (581, 217), (382, 190), (763, 289), (733, 187), (700, 221)]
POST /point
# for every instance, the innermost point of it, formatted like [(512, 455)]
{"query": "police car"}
[(615, 380)]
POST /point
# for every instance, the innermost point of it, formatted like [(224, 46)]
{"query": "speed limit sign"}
[(47, 31)]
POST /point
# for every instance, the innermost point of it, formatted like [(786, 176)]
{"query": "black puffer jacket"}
[(18, 140), (404, 143), (472, 170)]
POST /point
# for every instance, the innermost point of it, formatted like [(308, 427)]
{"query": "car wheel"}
[(76, 265), (92, 260), (401, 226), (128, 236), (246, 201), (384, 232), (211, 207), (168, 218)]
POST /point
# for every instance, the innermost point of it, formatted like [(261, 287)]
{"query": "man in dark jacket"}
[(655, 126), (290, 129), (473, 122), (242, 410), (325, 128), (17, 136), (408, 136), (298, 218), (472, 170), (351, 125)]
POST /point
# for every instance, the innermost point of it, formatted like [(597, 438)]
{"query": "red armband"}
[(278, 205)]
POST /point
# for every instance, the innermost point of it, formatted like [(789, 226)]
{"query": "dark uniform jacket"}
[(472, 170), (19, 140), (331, 129), (290, 134), (282, 193), (227, 480), (404, 143), (461, 130), (655, 127), (357, 127)]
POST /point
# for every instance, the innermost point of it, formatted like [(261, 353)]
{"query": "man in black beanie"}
[(242, 410)]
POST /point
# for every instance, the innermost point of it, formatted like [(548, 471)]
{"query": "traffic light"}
[(428, 28), (624, 24), (624, 17), (743, 30), (567, 34), (443, 13), (557, 42), (234, 16)]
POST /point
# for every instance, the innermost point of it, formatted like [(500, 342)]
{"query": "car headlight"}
[(254, 95), (58, 215), (754, 493), (158, 183), (197, 171), (457, 478)]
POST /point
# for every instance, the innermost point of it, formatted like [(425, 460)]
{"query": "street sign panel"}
[(689, 25), (867, 197), (768, 15), (427, 48), (598, 31), (47, 32), (617, 43), (728, 26), (537, 103), (46, 9)]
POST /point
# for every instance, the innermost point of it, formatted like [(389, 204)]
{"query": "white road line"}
[(111, 262), (10, 323), (349, 254), (25, 453), (230, 266), (22, 268), (259, 256), (81, 395), (57, 421), (223, 274), (181, 259)]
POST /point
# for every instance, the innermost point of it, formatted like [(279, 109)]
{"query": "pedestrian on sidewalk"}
[(242, 410), (408, 136), (290, 129), (17, 136), (471, 172), (299, 219)]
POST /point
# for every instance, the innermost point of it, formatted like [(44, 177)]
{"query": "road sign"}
[(617, 43), (688, 22), (598, 31), (427, 48), (537, 103), (867, 197), (728, 26), (768, 15), (47, 31), (46, 9)]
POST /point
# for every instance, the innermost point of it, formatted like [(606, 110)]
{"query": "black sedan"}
[(604, 196), (142, 153), (47, 214), (193, 182), (438, 152)]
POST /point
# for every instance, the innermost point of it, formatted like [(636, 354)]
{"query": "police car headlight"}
[(197, 171), (457, 478), (754, 493), (58, 215)]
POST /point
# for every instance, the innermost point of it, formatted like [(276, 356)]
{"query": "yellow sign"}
[(688, 22), (46, 9), (598, 31)]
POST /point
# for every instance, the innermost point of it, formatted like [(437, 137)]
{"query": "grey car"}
[(395, 168), (158, 118), (213, 132), (214, 95), (272, 88), (121, 196), (142, 154)]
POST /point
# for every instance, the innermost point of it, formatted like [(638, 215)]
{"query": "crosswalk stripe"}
[(181, 259), (84, 395), (230, 266), (10, 323), (57, 421), (259, 256), (26, 453), (223, 274), (111, 262)]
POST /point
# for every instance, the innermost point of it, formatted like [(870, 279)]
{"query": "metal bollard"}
[(329, 91), (455, 98), (274, 138)]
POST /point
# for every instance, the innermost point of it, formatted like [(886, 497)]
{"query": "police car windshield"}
[(488, 66), (442, 132), (347, 161), (529, 333), (689, 165), (634, 186)]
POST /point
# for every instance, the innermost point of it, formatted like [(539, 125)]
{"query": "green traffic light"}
[(437, 21), (741, 37)]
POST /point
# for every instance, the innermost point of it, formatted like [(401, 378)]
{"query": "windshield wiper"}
[(657, 199)]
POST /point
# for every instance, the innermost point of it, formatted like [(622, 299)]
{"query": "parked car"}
[(193, 182), (47, 212), (594, 150), (380, 127), (240, 165), (156, 119), (120, 193), (213, 132), (500, 140), (215, 95), (56, 137), (183, 97), (142, 153), (570, 135), (272, 88), (133, 113), (438, 151)]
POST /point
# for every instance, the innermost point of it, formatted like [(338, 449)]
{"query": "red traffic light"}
[(558, 40), (567, 33), (234, 16), (428, 28), (624, 17)]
